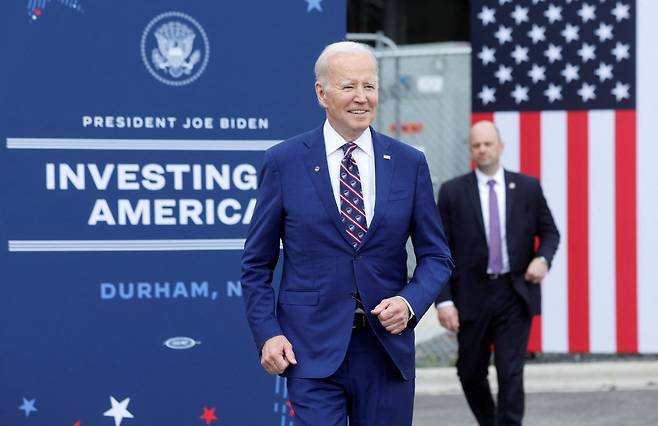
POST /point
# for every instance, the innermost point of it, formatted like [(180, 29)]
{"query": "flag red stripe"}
[(577, 230), (626, 230), (530, 158), (530, 143), (479, 116)]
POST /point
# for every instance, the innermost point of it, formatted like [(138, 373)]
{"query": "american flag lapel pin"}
[(387, 157), (511, 185)]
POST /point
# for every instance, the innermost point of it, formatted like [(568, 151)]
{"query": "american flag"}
[(571, 86)]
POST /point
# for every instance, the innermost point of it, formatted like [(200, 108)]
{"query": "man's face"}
[(350, 94), (486, 147)]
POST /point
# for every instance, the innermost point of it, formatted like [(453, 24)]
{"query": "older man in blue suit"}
[(344, 200)]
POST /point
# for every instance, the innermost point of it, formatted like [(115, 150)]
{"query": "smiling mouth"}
[(358, 111)]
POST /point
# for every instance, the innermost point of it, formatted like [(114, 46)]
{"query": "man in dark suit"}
[(343, 199), (492, 218)]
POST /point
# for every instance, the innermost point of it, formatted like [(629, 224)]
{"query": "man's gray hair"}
[(341, 47)]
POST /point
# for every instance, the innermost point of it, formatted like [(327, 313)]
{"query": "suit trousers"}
[(504, 324), (367, 388)]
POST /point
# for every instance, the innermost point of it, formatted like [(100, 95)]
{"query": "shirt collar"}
[(499, 177), (333, 141)]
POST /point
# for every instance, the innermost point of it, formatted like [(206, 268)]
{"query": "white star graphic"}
[(587, 52), (487, 55), (520, 54), (520, 94), (537, 73), (553, 53), (621, 91), (604, 32), (621, 51), (570, 33), (504, 34), (621, 12), (587, 92), (487, 16), (604, 72), (487, 94), (537, 34), (553, 93), (119, 411), (520, 14), (587, 12), (553, 13), (503, 74), (570, 72), (313, 4)]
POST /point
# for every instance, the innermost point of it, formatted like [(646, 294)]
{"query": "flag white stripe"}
[(508, 125), (647, 195), (554, 183), (602, 289), (124, 245), (140, 144)]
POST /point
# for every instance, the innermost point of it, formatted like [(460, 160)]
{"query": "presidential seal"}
[(175, 48)]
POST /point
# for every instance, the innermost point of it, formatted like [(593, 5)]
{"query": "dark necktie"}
[(352, 212), (495, 241)]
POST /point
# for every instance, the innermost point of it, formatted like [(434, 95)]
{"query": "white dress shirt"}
[(499, 187), (364, 156)]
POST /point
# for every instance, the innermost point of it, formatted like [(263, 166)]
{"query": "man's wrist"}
[(543, 259), (411, 311), (445, 304)]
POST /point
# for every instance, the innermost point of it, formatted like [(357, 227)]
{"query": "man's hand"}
[(536, 271), (449, 317), (393, 314), (277, 355)]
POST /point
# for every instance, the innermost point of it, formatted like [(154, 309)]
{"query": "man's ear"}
[(321, 94)]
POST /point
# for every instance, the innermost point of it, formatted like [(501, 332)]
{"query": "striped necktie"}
[(352, 212)]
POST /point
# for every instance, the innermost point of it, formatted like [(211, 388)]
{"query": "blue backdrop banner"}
[(132, 133)]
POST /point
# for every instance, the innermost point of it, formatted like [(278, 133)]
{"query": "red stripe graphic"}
[(349, 173), (352, 189), (353, 236), (530, 158), (480, 116), (349, 150), (353, 206), (530, 143), (354, 221), (626, 230), (577, 230)]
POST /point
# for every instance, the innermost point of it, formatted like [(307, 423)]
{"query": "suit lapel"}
[(315, 162), (383, 174), (510, 197), (474, 196)]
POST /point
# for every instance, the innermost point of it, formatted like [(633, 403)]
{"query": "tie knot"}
[(348, 148), (491, 183)]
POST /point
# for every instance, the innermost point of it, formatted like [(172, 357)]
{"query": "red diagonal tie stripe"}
[(352, 205), (354, 191), (354, 221)]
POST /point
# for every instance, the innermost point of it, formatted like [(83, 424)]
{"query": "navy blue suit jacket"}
[(527, 218), (321, 270)]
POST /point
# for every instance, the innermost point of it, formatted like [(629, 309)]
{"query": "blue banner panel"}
[(131, 137)]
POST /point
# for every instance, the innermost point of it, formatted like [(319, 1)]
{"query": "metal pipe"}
[(376, 37)]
